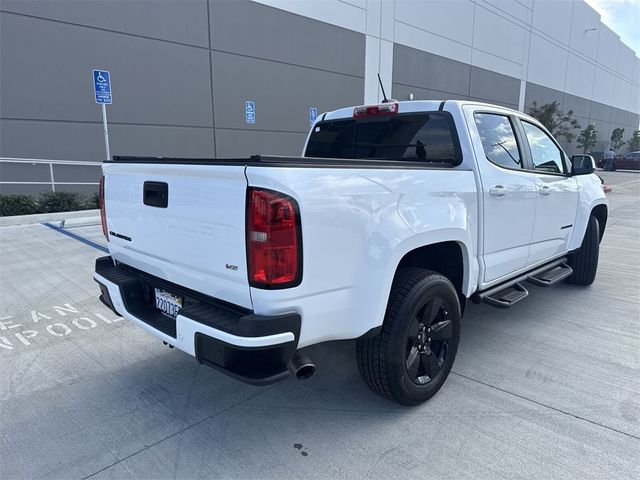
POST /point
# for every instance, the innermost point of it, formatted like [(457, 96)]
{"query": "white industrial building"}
[(183, 70)]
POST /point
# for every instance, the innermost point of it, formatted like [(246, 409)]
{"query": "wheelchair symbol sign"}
[(102, 86), (250, 111)]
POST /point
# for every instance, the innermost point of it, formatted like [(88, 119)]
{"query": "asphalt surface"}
[(547, 389)]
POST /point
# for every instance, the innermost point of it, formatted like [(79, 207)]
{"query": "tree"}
[(634, 142), (616, 138), (558, 123), (587, 138)]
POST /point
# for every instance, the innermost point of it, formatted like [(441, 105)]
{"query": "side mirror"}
[(582, 165)]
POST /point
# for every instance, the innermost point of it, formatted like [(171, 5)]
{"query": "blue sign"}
[(313, 114), (102, 86), (250, 111)]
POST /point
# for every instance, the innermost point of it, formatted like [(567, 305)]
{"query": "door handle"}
[(544, 190), (498, 191)]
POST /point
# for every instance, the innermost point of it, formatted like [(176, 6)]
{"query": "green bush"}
[(50, 202), (92, 201), (47, 202), (17, 204)]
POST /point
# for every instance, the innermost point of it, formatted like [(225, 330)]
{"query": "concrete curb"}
[(62, 219)]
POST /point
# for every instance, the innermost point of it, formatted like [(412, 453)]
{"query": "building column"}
[(525, 64)]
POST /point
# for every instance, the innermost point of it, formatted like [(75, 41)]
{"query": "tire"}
[(419, 300), (584, 261)]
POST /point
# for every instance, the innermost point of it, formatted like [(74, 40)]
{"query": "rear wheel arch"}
[(446, 258)]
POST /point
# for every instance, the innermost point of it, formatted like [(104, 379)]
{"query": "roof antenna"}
[(384, 95)]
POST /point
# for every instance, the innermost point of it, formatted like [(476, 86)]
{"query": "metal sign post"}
[(102, 90), (106, 130)]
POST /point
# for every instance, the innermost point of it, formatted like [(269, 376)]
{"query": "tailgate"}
[(197, 240)]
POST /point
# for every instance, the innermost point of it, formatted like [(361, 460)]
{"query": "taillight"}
[(103, 214), (274, 251), (371, 110)]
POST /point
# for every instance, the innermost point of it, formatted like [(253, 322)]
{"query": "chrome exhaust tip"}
[(301, 366)]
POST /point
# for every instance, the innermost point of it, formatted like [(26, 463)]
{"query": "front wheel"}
[(409, 360), (584, 261)]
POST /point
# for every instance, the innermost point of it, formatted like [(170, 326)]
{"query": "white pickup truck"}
[(395, 216)]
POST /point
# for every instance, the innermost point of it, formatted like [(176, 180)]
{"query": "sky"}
[(623, 17)]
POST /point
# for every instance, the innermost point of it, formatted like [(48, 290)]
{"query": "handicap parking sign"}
[(250, 111), (313, 114), (102, 86)]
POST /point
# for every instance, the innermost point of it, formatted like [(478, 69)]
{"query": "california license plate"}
[(168, 303)]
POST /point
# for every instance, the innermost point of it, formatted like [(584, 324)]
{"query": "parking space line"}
[(75, 236)]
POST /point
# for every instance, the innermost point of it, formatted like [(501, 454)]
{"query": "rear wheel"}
[(411, 358), (584, 261)]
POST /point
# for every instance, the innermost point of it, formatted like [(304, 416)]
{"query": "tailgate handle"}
[(156, 194)]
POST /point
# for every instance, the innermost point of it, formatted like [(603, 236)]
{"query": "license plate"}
[(168, 303)]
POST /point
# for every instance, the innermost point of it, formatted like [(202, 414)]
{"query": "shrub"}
[(91, 201), (50, 202), (47, 202), (17, 204)]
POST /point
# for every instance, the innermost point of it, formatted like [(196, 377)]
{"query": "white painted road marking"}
[(48, 326)]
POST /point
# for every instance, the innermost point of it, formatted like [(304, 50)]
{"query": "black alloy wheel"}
[(428, 340), (410, 359)]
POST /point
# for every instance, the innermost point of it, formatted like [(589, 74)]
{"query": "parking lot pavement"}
[(547, 389)]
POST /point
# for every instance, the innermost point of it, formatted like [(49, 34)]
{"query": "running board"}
[(512, 291), (507, 297), (551, 276)]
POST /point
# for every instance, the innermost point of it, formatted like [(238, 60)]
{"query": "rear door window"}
[(421, 137)]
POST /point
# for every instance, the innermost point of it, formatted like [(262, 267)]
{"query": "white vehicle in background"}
[(395, 217)]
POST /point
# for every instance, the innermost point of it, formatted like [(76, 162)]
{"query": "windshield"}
[(418, 137)]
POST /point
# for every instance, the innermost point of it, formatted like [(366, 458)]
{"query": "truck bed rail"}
[(289, 162)]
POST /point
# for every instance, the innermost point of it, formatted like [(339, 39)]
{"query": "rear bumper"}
[(253, 348)]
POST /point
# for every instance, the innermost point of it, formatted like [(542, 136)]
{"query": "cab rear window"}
[(410, 137)]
